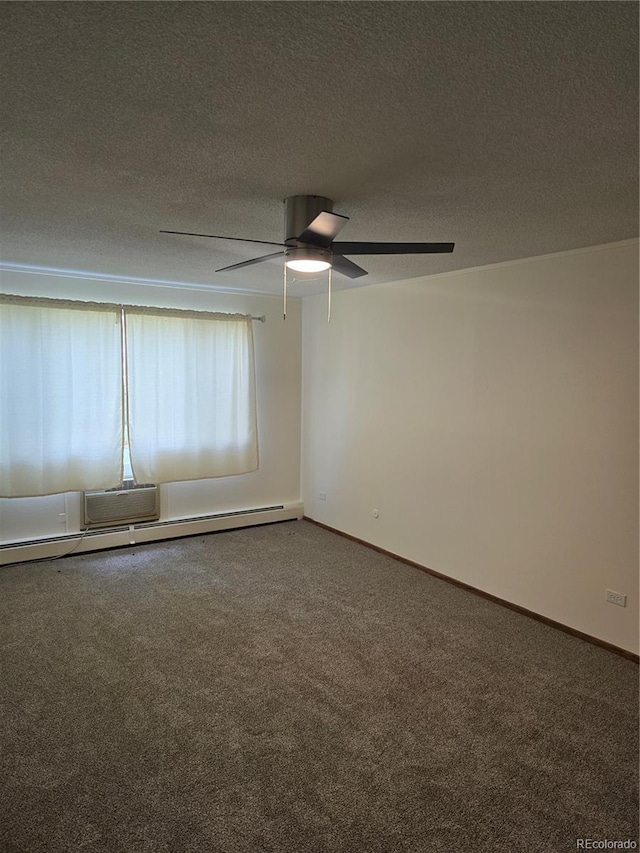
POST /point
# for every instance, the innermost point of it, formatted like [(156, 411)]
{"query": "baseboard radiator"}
[(115, 534)]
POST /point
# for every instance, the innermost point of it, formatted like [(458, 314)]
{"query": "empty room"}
[(319, 464)]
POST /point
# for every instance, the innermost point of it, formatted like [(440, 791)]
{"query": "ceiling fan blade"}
[(346, 267), (218, 237), (392, 248), (322, 230), (251, 262)]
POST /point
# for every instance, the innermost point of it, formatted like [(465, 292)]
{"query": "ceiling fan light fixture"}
[(303, 265), (308, 260)]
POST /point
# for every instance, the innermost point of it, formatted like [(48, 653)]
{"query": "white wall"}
[(278, 380), (491, 416)]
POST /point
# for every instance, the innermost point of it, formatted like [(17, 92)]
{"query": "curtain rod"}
[(14, 298)]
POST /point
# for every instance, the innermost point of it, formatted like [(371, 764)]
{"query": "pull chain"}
[(329, 299), (284, 289)]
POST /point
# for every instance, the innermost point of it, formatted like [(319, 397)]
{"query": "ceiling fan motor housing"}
[(300, 211)]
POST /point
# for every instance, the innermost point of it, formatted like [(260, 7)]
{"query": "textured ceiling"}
[(509, 128)]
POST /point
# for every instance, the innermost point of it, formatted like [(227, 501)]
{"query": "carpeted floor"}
[(284, 689)]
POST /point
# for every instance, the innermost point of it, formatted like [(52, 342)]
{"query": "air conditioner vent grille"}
[(105, 508)]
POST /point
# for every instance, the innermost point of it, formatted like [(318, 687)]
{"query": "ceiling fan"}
[(310, 228)]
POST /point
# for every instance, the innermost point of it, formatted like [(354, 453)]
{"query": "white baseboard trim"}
[(151, 531)]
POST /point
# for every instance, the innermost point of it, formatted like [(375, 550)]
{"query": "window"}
[(77, 379)]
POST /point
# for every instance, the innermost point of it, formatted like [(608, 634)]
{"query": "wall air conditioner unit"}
[(126, 505)]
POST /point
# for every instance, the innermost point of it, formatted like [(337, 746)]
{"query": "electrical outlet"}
[(322, 496), (616, 598)]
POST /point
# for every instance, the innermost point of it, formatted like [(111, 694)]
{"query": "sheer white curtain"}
[(60, 396), (191, 394)]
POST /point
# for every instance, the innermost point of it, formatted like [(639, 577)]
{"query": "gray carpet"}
[(284, 689)]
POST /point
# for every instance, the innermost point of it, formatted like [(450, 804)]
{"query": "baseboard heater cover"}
[(96, 539), (214, 515)]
